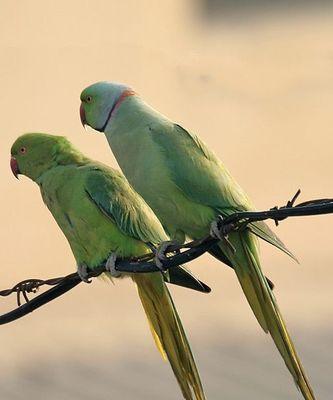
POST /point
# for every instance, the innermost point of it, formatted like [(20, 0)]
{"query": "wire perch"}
[(178, 254)]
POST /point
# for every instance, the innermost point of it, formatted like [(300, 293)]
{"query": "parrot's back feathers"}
[(199, 144)]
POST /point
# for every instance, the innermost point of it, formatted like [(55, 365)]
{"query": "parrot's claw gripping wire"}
[(218, 231), (83, 272), (110, 266), (161, 253)]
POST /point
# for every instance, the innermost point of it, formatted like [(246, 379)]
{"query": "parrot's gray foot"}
[(82, 271), (217, 233), (110, 266), (215, 230), (161, 251)]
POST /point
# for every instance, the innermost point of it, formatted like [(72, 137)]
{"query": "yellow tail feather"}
[(168, 333), (262, 301)]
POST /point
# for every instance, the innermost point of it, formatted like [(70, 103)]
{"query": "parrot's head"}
[(34, 153), (100, 101)]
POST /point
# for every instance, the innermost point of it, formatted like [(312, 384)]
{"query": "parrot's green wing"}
[(189, 160), (118, 201), (263, 231)]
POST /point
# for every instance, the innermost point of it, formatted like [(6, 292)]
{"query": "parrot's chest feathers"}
[(145, 166), (91, 235), (62, 200)]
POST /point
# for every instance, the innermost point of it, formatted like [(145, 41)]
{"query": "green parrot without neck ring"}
[(187, 187), (103, 217)]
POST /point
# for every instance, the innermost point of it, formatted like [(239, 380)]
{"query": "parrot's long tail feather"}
[(262, 301), (169, 333)]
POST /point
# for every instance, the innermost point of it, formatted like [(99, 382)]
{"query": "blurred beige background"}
[(258, 88)]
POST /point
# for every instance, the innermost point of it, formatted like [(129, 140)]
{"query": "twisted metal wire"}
[(178, 254)]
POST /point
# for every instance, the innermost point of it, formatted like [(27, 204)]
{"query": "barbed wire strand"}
[(178, 254)]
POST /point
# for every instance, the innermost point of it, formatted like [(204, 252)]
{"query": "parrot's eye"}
[(23, 150), (89, 99)]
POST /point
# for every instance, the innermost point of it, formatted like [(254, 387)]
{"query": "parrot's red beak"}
[(14, 167), (83, 116)]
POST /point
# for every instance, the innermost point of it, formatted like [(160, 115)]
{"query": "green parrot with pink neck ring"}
[(188, 187), (103, 218)]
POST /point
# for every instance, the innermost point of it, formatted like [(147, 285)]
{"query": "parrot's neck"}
[(62, 157), (133, 113), (128, 134)]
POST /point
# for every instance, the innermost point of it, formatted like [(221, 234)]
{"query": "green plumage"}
[(187, 186), (100, 213)]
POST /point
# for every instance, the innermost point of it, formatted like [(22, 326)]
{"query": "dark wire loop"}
[(180, 254)]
